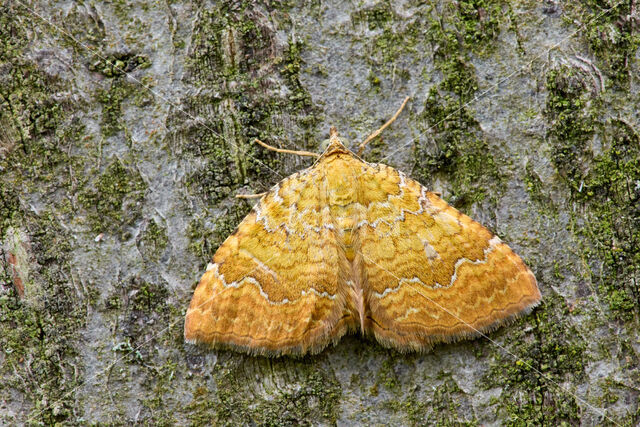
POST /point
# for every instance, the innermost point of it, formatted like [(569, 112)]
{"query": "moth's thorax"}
[(343, 198), (341, 181)]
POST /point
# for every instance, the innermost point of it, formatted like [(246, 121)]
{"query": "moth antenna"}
[(250, 196), (383, 127), (284, 150)]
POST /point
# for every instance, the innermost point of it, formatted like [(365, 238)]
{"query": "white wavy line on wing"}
[(492, 244), (237, 283)]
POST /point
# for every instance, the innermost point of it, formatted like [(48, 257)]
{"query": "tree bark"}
[(127, 128)]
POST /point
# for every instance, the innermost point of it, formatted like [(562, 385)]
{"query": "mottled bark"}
[(126, 129)]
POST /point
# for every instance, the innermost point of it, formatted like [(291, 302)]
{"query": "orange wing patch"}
[(347, 245), (275, 286), (432, 273)]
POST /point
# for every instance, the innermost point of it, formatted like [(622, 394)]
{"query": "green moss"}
[(202, 408), (445, 406), (550, 354), (537, 191), (204, 239), (148, 297), (415, 409), (24, 87), (461, 153), (611, 34), (218, 179), (111, 100), (318, 399), (606, 185), (162, 413), (379, 16), (143, 314), (386, 374), (377, 150), (468, 24), (479, 21), (36, 336), (441, 409), (611, 193), (459, 150), (234, 90), (9, 207), (374, 81), (154, 240), (116, 198), (390, 41), (292, 64), (29, 114), (458, 78), (119, 64), (316, 396), (572, 124)]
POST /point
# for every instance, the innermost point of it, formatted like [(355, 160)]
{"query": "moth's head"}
[(333, 144)]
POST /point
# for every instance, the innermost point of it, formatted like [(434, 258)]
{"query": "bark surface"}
[(126, 130)]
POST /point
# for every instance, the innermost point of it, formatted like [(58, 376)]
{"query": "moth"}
[(345, 246)]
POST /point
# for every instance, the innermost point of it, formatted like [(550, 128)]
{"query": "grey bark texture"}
[(125, 132)]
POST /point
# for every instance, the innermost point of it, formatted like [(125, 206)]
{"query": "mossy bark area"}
[(125, 132)]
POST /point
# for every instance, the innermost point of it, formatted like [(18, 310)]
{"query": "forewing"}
[(431, 273), (275, 286)]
